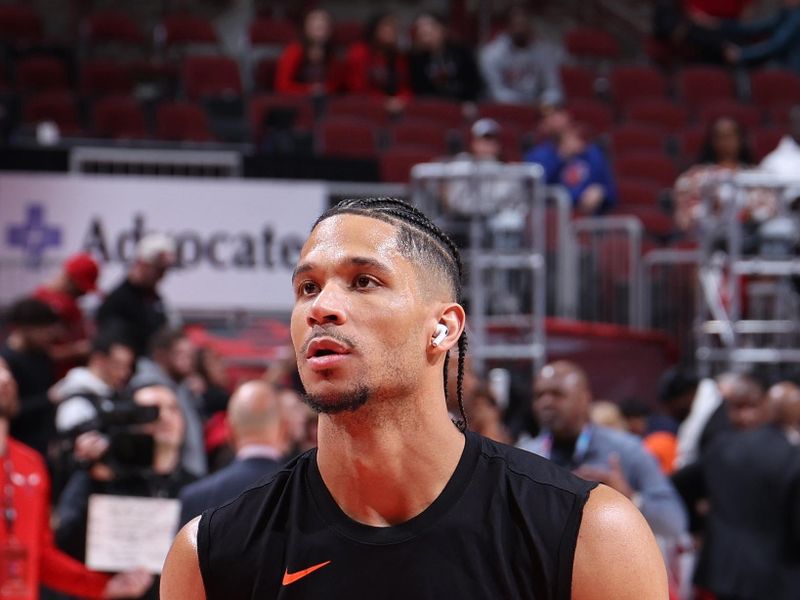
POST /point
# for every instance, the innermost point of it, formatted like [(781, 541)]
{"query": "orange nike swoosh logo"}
[(292, 577)]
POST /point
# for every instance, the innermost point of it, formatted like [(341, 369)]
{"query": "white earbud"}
[(441, 333)]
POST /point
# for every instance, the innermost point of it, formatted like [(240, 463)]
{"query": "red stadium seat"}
[(180, 29), (420, 132), (689, 143), (182, 122), (261, 105), (655, 221), (592, 43), (210, 76), (780, 112), (371, 108), (749, 117), (396, 163), (522, 114), (20, 24), (771, 87), (347, 32), (105, 76), (111, 27), (765, 141), (597, 115), (59, 107), (705, 85), (272, 32), (346, 136), (631, 136), (637, 192), (664, 114), (646, 166), (630, 83), (41, 73), (578, 82), (446, 112), (264, 74), (119, 117)]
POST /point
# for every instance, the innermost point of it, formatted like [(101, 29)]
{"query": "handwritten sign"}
[(127, 532)]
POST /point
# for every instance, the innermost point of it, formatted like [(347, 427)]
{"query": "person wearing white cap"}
[(135, 303)]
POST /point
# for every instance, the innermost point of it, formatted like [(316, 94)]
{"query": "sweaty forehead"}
[(347, 235)]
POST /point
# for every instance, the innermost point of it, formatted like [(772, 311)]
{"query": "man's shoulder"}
[(238, 469)]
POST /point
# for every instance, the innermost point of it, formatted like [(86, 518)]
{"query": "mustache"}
[(320, 332)]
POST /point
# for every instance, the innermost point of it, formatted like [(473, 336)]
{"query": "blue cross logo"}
[(33, 236)]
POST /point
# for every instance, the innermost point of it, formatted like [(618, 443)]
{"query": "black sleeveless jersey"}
[(505, 526)]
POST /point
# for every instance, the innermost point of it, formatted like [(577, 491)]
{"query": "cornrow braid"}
[(419, 238)]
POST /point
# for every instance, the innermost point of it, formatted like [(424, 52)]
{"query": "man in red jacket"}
[(28, 556)]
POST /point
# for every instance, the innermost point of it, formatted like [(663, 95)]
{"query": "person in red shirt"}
[(309, 66), (77, 278), (28, 555), (377, 66)]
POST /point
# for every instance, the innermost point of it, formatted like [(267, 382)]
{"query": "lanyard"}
[(581, 446), (9, 512)]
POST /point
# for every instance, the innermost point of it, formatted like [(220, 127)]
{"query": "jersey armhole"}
[(204, 549), (568, 544)]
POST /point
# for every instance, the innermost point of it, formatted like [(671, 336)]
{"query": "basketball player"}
[(398, 501)]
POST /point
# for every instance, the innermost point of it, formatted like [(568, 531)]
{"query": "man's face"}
[(357, 323), (561, 402), (747, 406), (182, 359), (168, 429), (119, 366)]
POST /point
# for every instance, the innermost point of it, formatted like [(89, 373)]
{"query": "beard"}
[(349, 401)]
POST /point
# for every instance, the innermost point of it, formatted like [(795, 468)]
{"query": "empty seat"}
[(664, 114), (748, 117), (105, 76), (288, 110), (523, 115), (111, 27), (41, 73), (774, 86), (347, 32), (181, 29), (705, 85), (371, 108), (396, 163), (632, 136), (211, 76), (656, 222), (20, 24), (420, 132), (271, 32), (592, 43), (346, 136), (637, 192), (59, 107), (447, 112), (578, 82), (264, 74), (689, 144), (645, 166), (119, 117), (765, 141), (182, 122), (631, 83), (595, 114)]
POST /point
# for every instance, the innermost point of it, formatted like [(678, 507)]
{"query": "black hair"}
[(675, 383), (708, 155), (30, 312), (164, 339), (422, 242), (110, 336)]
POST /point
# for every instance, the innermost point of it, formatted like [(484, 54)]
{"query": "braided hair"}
[(420, 240)]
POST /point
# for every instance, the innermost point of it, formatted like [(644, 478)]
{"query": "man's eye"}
[(306, 288), (364, 281)]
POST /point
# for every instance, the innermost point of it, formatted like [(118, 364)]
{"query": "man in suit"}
[(259, 436)]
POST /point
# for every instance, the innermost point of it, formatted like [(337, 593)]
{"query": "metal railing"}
[(155, 162)]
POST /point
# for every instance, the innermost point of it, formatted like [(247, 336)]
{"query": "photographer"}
[(142, 460)]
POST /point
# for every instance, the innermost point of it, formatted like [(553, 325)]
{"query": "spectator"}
[(29, 513), (34, 328), (377, 66), (752, 539), (784, 400), (485, 416), (663, 445), (562, 399), (210, 381), (439, 66), (171, 363), (785, 159), (102, 380), (580, 167), (164, 477), (777, 38), (519, 69), (135, 304), (725, 150), (300, 421), (309, 66), (606, 414), (258, 433), (78, 277)]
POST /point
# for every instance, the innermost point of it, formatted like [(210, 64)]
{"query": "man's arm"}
[(181, 579), (617, 555)]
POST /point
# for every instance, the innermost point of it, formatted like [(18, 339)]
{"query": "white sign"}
[(238, 240), (127, 532)]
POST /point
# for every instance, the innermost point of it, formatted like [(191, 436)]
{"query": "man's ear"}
[(454, 318)]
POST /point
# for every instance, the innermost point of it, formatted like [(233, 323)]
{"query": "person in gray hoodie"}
[(170, 362)]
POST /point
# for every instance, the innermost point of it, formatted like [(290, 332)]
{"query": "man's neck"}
[(385, 469)]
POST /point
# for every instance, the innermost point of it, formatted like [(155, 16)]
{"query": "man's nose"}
[(328, 307)]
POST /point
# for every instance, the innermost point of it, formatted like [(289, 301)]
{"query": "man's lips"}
[(325, 353)]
